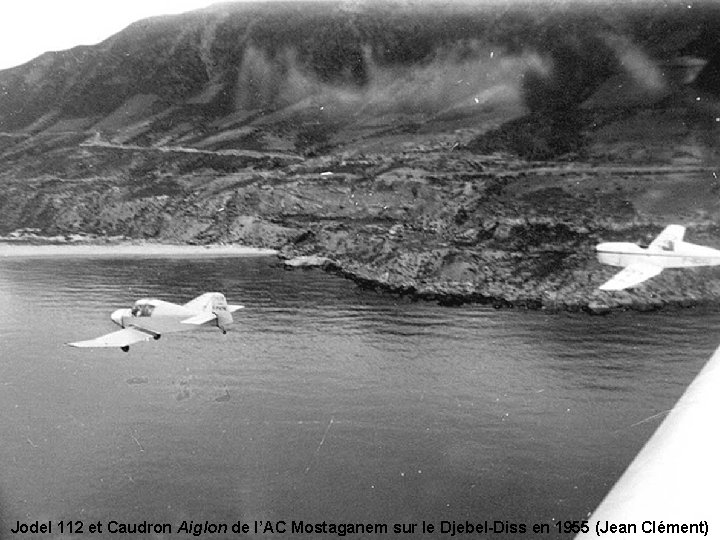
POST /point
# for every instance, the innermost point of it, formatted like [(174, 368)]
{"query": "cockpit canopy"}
[(143, 308)]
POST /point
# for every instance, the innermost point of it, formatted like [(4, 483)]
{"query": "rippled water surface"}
[(326, 401)]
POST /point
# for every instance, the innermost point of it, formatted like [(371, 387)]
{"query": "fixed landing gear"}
[(125, 348), (156, 337)]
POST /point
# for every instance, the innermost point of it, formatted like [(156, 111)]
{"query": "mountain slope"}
[(454, 151)]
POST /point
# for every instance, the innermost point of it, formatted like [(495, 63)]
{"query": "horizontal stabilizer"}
[(202, 318), (121, 338), (630, 276), (232, 308)]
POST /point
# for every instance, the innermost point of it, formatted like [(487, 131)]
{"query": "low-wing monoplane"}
[(150, 318), (668, 250)]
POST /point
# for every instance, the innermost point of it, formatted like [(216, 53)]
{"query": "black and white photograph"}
[(365, 269)]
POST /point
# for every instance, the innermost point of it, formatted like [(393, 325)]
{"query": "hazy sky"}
[(29, 28)]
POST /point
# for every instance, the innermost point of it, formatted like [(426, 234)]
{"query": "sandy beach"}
[(129, 250)]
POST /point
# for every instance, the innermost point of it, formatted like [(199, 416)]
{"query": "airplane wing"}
[(670, 236), (121, 338), (202, 318), (630, 276), (676, 474)]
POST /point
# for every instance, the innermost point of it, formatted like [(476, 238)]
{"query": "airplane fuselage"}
[(682, 255), (156, 316)]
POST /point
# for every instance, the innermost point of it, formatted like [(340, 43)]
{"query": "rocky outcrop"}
[(308, 261)]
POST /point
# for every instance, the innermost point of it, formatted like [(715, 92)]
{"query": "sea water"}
[(325, 403)]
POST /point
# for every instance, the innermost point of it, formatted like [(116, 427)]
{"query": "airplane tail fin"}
[(207, 301), (216, 304)]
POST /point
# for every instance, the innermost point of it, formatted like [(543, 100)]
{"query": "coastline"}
[(574, 299), (553, 296), (129, 249)]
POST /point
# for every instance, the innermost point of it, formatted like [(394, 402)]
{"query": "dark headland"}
[(454, 152)]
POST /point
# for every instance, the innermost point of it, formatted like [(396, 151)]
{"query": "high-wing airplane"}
[(668, 250), (150, 318)]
